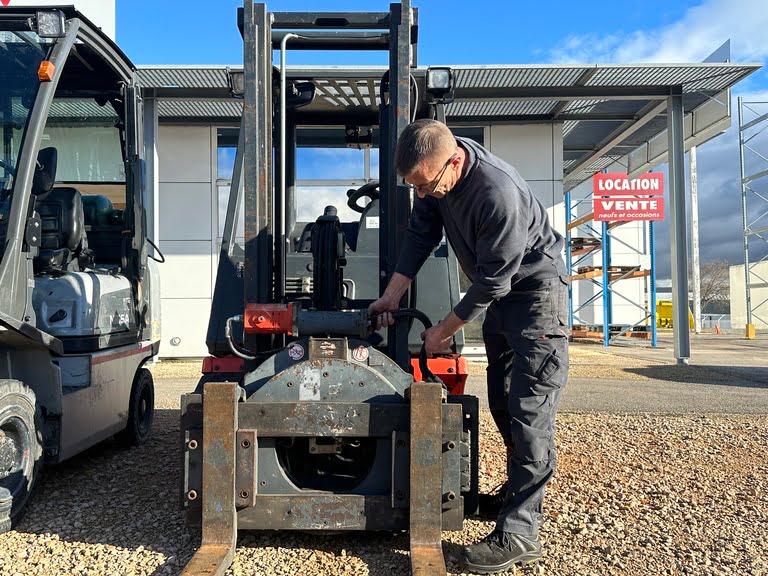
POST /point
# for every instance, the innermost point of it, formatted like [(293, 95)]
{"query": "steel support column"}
[(696, 268), (257, 123), (152, 168), (678, 228), (290, 179), (395, 201)]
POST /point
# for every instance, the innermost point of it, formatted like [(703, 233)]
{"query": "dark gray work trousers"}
[(526, 340)]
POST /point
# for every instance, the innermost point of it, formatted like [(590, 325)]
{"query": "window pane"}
[(227, 149), (312, 200), (87, 140), (329, 164), (223, 200), (375, 163)]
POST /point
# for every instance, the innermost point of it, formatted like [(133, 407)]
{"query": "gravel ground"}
[(634, 495)]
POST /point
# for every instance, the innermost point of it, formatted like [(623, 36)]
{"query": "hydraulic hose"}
[(240, 352), (426, 374)]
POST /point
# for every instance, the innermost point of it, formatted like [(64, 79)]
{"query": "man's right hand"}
[(378, 311)]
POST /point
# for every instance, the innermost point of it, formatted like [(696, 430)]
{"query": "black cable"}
[(426, 374), (241, 352)]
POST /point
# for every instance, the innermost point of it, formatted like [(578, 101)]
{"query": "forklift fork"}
[(219, 515), (426, 479), (219, 527)]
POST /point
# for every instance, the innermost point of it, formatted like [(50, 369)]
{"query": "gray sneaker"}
[(499, 551)]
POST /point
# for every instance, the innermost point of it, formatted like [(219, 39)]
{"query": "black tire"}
[(22, 448), (141, 409)]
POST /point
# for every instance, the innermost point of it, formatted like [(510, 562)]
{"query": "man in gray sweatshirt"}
[(507, 248)]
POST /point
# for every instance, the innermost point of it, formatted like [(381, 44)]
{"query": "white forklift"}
[(79, 296)]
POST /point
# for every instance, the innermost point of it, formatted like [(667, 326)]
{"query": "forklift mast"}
[(265, 237), (307, 421)]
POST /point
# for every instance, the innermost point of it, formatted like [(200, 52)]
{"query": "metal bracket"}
[(426, 476), (219, 516)]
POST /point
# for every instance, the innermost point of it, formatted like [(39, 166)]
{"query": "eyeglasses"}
[(430, 187)]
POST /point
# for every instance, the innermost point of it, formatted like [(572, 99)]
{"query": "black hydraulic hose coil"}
[(426, 374)]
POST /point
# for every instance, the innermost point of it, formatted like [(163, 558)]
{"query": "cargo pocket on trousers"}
[(551, 372), (561, 303)]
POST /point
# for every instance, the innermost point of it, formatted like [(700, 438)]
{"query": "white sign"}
[(100, 12), (371, 222)]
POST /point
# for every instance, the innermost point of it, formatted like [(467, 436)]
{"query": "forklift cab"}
[(70, 185), (77, 323)]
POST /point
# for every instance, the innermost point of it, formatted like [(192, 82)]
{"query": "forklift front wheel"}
[(21, 450), (141, 409)]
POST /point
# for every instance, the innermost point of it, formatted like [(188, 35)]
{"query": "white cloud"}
[(691, 39), (311, 202)]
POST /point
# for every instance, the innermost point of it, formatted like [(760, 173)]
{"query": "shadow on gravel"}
[(111, 495), (384, 554), (128, 498), (741, 376)]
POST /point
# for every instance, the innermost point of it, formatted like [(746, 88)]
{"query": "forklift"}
[(305, 418), (79, 295)]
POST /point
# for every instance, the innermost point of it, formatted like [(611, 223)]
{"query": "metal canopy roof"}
[(608, 111)]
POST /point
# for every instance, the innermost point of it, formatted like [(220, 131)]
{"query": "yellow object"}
[(664, 315), (751, 331)]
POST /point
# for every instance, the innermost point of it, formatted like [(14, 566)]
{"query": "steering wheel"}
[(371, 190)]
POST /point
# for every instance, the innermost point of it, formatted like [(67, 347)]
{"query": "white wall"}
[(187, 219), (758, 295), (100, 12), (536, 151)]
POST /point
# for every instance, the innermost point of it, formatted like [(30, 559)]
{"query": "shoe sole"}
[(526, 559)]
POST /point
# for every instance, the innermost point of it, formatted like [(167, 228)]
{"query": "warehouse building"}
[(558, 125)]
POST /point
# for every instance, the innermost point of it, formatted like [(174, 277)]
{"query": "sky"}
[(504, 32)]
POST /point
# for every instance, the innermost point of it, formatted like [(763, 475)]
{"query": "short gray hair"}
[(422, 140)]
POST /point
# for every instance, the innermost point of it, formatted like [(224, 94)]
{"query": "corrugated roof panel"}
[(508, 108), (572, 180), (692, 77), (521, 76), (199, 109), (183, 77), (582, 106), (569, 126), (716, 82), (711, 76)]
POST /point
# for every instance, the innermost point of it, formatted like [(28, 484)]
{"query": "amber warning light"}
[(46, 71)]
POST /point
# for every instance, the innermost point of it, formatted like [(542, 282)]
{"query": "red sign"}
[(617, 198), (5, 2)]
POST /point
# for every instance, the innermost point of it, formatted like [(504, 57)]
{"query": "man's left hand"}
[(435, 339)]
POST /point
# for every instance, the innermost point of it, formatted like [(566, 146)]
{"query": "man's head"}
[(428, 158)]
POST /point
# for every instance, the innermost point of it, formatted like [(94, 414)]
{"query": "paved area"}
[(652, 396), (615, 395), (727, 374)]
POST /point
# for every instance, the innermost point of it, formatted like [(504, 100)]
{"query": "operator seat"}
[(63, 241)]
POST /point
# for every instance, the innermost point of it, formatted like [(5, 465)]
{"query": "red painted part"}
[(213, 365), (452, 371), (269, 319)]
